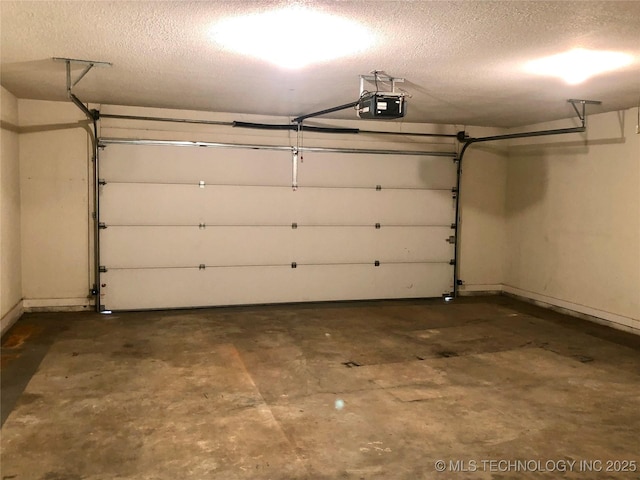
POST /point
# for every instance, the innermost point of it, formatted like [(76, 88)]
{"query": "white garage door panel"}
[(329, 168), (136, 204), (343, 245), (175, 288), (346, 206), (161, 226), (217, 246), (190, 246), (166, 163)]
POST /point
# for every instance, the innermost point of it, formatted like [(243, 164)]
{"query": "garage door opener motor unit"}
[(380, 105)]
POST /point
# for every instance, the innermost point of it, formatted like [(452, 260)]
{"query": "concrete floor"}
[(362, 390)]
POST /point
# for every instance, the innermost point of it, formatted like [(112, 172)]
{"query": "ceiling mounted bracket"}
[(375, 78), (582, 115), (88, 65)]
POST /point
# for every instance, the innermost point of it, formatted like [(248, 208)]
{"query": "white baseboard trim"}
[(11, 317), (80, 304), (575, 310)]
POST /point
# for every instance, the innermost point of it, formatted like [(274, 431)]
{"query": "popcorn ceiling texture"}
[(462, 60)]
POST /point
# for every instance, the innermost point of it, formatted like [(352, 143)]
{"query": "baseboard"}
[(575, 310), (477, 290), (81, 304), (11, 317)]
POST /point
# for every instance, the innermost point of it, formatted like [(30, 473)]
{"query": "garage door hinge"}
[(294, 225), (294, 265), (102, 182), (102, 226), (378, 187), (376, 263), (451, 239), (453, 226), (202, 226), (454, 192), (202, 266), (452, 262), (378, 226), (459, 282), (201, 184), (102, 269)]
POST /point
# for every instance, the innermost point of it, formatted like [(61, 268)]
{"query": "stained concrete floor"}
[(367, 390)]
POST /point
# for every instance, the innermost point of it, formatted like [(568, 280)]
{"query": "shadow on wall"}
[(483, 178), (83, 124), (527, 182)]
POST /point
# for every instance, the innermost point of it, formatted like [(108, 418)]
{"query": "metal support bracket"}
[(582, 115), (379, 77), (88, 65)]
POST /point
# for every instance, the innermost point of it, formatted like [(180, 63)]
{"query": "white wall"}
[(573, 218), (10, 263), (54, 184)]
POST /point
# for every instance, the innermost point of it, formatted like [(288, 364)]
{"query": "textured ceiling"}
[(461, 60)]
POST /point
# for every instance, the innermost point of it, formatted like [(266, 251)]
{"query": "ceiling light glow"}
[(292, 37), (578, 65)]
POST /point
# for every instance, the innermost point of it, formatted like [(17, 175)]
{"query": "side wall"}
[(10, 256), (573, 219), (54, 177)]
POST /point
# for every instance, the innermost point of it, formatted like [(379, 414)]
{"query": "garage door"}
[(190, 226)]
